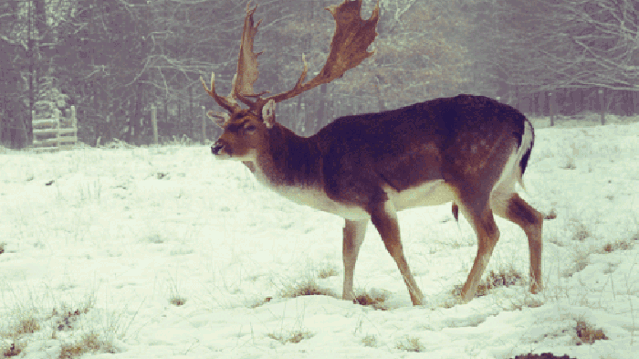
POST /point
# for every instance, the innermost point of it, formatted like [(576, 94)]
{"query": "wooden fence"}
[(56, 133), (154, 124)]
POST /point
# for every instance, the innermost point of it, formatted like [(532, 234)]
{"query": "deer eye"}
[(250, 128)]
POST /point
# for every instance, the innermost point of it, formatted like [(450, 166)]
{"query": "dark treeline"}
[(114, 60)]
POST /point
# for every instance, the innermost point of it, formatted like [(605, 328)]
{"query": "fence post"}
[(24, 126), (552, 106), (74, 119), (154, 122), (203, 125), (602, 103), (58, 114), (74, 123)]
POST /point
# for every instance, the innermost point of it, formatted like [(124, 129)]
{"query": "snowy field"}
[(164, 252)]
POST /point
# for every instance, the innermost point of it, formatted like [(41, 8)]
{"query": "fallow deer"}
[(469, 150)]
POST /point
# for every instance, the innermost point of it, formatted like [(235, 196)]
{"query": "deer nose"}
[(216, 148)]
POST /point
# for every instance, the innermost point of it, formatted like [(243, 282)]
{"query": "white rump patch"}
[(512, 172)]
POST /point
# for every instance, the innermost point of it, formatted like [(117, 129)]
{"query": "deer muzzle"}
[(217, 148)]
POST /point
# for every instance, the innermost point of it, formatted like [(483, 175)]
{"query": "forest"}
[(115, 60)]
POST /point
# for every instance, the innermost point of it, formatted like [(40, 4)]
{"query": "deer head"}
[(246, 129)]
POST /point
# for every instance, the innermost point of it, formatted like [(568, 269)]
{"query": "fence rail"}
[(53, 134)]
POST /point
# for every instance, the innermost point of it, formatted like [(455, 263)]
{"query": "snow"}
[(116, 234)]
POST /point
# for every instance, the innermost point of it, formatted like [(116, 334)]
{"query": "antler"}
[(247, 72), (352, 37)]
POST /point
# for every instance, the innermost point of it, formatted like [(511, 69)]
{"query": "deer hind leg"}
[(384, 218), (510, 206), (480, 217), (354, 233)]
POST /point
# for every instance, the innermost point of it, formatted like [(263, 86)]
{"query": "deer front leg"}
[(354, 233), (384, 218)]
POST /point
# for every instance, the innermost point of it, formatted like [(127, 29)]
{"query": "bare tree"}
[(543, 45)]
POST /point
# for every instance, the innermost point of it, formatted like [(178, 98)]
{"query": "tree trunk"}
[(321, 108), (138, 115), (541, 97), (193, 119), (602, 105)]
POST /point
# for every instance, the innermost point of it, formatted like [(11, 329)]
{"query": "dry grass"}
[(542, 356), (375, 301), (581, 233), (177, 300), (570, 163), (551, 215), (65, 318), (26, 325), (88, 343), (61, 319), (410, 344), (294, 336), (305, 287), (623, 245), (505, 277), (587, 334), (15, 348), (328, 271), (582, 259), (259, 303), (370, 341)]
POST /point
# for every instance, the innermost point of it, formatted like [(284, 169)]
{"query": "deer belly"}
[(430, 193), (316, 198)]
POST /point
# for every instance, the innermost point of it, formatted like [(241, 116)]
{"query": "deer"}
[(468, 150)]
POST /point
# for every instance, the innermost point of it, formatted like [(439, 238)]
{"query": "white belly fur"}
[(316, 198), (427, 194), (430, 193)]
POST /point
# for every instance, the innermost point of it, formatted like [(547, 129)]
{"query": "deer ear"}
[(268, 113), (218, 118)]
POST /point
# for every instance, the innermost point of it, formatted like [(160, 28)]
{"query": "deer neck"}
[(287, 160)]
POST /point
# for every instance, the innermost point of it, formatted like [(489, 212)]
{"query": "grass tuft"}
[(370, 340), (61, 319), (551, 215), (177, 300), (375, 301), (88, 343), (587, 334), (305, 287), (259, 303), (410, 344), (326, 272), (581, 233), (623, 245), (12, 350), (505, 277), (26, 326), (66, 318), (294, 336)]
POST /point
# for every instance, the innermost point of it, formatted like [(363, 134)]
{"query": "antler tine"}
[(349, 46), (247, 71), (227, 103)]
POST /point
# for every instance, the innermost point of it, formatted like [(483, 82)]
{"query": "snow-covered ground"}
[(166, 253)]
